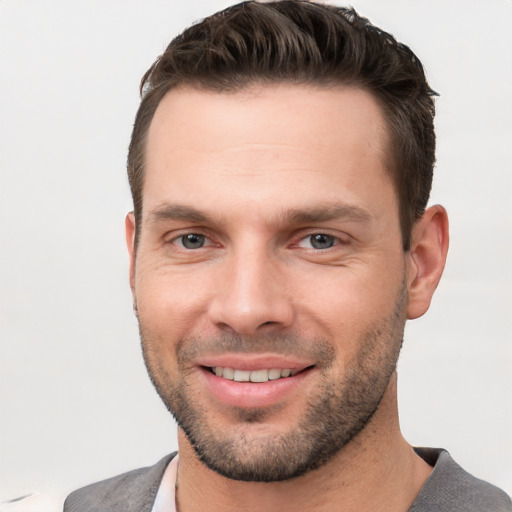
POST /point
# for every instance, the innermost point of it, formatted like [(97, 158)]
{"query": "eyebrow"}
[(325, 213), (177, 212)]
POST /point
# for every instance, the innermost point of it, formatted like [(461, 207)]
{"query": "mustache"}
[(315, 349)]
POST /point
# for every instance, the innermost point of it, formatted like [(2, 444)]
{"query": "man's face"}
[(270, 243)]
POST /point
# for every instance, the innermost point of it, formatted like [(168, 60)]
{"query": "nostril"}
[(247, 316)]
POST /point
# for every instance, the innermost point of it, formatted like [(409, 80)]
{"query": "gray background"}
[(76, 404)]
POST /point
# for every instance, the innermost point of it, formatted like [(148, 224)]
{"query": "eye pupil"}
[(192, 241), (321, 241)]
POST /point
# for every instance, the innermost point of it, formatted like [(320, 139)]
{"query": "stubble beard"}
[(334, 415)]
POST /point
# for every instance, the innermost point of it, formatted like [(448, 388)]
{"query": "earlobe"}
[(130, 243), (426, 259)]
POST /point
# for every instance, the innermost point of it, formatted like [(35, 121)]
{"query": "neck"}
[(377, 459)]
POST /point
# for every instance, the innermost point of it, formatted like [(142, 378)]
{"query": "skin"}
[(277, 156)]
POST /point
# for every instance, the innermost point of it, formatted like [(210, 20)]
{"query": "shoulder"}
[(133, 491), (451, 488)]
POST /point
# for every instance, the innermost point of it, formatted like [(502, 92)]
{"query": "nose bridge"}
[(251, 293)]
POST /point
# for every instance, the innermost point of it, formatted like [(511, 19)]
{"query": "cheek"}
[(169, 302), (347, 296), (350, 310)]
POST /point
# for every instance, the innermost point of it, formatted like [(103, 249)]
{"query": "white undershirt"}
[(165, 500)]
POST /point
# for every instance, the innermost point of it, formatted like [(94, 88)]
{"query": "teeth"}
[(228, 373), (242, 376), (259, 376), (274, 374), (254, 376)]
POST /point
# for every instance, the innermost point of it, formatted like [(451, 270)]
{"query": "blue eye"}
[(318, 241), (322, 241), (192, 240)]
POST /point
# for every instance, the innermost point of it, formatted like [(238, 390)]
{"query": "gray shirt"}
[(448, 489)]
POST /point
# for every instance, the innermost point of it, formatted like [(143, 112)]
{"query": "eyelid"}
[(174, 237), (339, 238)]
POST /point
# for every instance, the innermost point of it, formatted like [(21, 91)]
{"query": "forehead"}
[(274, 142)]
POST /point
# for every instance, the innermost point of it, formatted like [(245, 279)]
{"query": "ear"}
[(426, 259), (129, 224)]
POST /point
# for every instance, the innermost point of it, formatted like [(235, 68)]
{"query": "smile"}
[(249, 384), (263, 375)]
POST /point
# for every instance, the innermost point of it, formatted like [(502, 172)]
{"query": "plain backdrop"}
[(76, 404)]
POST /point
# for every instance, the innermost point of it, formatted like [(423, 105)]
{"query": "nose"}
[(252, 295)]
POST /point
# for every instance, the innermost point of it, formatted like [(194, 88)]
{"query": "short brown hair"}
[(301, 42)]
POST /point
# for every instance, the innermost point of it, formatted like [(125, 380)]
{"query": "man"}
[(280, 165)]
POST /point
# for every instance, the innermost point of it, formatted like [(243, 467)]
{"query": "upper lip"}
[(253, 362)]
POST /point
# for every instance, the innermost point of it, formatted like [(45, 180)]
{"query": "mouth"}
[(262, 375), (252, 380)]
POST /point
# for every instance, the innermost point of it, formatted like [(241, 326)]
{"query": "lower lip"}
[(252, 394)]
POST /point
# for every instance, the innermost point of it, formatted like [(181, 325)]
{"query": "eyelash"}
[(183, 237), (334, 240)]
